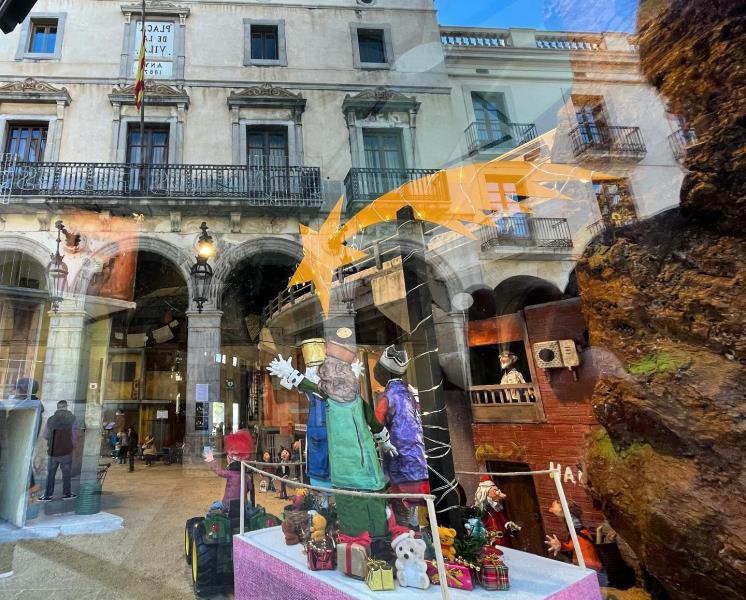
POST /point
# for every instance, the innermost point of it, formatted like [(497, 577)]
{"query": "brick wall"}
[(568, 411)]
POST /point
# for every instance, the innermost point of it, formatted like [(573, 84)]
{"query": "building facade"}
[(259, 116)]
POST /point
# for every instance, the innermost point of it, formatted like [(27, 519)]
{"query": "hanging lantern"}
[(57, 272), (201, 271)]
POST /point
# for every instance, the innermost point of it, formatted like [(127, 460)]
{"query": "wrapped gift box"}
[(320, 557), (380, 576), (352, 559), (493, 574), (458, 576)]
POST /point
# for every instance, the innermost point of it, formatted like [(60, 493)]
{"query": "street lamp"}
[(57, 271), (201, 272)]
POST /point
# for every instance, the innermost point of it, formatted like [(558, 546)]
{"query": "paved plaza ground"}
[(143, 560)]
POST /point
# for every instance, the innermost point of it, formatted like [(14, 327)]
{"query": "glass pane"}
[(371, 45)]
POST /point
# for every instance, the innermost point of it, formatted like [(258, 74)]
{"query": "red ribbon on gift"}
[(363, 540)]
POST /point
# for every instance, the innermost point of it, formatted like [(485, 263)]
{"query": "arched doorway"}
[(144, 371), (248, 398)]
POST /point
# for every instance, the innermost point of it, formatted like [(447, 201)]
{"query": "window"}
[(267, 146), (615, 202), (155, 149), (372, 46), (267, 152), (41, 37), (27, 141), (264, 43), (155, 144), (383, 150), (490, 118), (590, 114), (501, 195)]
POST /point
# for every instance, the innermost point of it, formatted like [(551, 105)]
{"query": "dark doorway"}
[(521, 505)]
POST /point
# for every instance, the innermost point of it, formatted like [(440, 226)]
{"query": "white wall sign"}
[(159, 48), (161, 414), (568, 474)]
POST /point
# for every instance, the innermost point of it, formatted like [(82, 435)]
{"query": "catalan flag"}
[(140, 81)]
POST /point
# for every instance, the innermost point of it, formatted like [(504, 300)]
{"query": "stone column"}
[(65, 378), (203, 343), (65, 358)]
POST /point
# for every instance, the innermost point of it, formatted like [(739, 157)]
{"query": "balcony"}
[(365, 185), (505, 404), (479, 137), (535, 232), (591, 141), (680, 141), (264, 186)]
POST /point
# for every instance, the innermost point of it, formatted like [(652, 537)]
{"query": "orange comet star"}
[(323, 253)]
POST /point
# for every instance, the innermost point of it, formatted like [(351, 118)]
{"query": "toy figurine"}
[(511, 375), (585, 538), (411, 568), (475, 529), (397, 410), (352, 431), (447, 542), (317, 446), (489, 499), (238, 446)]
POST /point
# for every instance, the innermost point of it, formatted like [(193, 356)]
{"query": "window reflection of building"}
[(23, 320), (615, 202)]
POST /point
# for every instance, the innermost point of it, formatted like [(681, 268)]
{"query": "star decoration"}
[(323, 253), (455, 198)]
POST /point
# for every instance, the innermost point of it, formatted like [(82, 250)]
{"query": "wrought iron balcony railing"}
[(365, 185), (255, 185), (595, 140), (480, 136), (680, 140), (538, 232)]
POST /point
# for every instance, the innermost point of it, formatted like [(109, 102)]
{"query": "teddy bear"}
[(318, 526), (411, 570), (447, 542)]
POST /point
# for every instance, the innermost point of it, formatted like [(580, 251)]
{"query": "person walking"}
[(124, 442), (132, 435), (61, 433), (149, 450)]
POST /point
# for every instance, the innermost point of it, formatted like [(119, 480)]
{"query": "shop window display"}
[(399, 317)]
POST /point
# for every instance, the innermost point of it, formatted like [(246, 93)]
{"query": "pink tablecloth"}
[(265, 568)]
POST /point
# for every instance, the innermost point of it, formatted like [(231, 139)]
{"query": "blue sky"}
[(556, 15)]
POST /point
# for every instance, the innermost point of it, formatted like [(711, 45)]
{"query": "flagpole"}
[(142, 111)]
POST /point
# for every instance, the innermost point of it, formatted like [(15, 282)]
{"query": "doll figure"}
[(284, 471), (238, 447), (489, 499), (511, 375), (317, 445), (397, 410), (352, 431)]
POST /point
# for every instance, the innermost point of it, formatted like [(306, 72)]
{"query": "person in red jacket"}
[(585, 538)]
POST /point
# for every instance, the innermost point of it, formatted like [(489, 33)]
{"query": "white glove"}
[(312, 375), (280, 367), (384, 441), (357, 368)]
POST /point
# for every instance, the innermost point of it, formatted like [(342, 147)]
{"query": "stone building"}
[(259, 116)]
